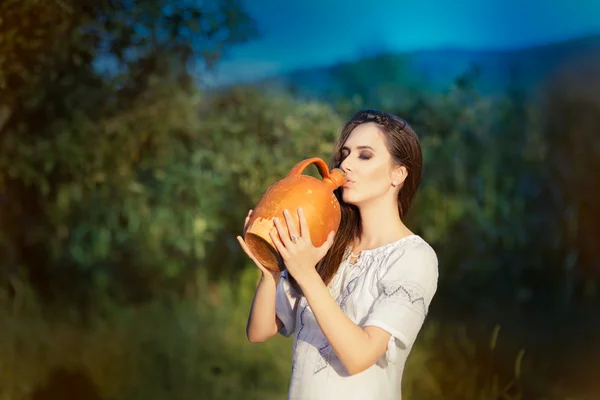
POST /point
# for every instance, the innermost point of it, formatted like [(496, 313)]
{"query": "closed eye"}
[(366, 153)]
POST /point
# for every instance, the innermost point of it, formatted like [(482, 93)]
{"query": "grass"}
[(197, 349)]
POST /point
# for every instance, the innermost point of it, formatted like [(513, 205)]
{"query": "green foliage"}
[(485, 173), (429, 377), (59, 42), (93, 162), (194, 347), (176, 349)]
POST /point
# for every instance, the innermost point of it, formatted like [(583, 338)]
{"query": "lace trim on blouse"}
[(377, 254)]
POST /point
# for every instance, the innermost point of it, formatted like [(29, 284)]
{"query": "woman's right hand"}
[(265, 271)]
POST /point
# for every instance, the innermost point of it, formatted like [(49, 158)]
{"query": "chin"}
[(348, 199)]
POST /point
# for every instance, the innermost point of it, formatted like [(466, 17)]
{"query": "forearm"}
[(357, 348), (262, 321)]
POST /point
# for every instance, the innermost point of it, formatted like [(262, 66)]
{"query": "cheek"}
[(378, 177), (373, 182)]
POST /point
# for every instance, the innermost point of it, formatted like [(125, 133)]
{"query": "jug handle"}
[(336, 177)]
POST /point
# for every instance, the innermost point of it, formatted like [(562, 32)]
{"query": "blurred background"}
[(135, 136)]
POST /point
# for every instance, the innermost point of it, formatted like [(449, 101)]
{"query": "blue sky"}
[(304, 33)]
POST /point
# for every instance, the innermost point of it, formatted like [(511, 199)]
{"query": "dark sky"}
[(300, 33)]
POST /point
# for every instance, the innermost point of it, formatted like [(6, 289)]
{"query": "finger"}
[(324, 248), (278, 245), (284, 236), (248, 252), (304, 230), (247, 219), (291, 225), (254, 259)]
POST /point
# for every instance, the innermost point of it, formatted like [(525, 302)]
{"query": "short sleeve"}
[(405, 291), (286, 304)]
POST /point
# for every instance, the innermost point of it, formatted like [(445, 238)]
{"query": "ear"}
[(399, 175)]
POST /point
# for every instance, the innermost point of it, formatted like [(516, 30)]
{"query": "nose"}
[(345, 164)]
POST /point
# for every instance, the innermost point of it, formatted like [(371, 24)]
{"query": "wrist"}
[(270, 276), (309, 280)]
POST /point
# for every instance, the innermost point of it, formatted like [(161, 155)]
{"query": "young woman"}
[(356, 304)]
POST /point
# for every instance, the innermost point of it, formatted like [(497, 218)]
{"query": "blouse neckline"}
[(383, 249)]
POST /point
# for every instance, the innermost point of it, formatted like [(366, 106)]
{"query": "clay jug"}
[(316, 197)]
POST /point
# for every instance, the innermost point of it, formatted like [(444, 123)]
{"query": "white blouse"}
[(390, 287)]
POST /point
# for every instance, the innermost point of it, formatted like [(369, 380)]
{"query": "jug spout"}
[(336, 178)]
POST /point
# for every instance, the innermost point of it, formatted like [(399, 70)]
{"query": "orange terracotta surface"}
[(321, 208)]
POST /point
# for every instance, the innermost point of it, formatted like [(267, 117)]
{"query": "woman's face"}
[(368, 166)]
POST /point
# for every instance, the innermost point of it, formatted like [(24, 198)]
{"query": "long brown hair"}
[(405, 149)]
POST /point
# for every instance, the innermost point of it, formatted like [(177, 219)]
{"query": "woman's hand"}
[(265, 271), (296, 247)]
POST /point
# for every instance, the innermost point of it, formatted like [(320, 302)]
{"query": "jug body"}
[(316, 197)]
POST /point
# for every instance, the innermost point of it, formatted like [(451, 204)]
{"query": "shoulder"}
[(411, 256), (413, 248)]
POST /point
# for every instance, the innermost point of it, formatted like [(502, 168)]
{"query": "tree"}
[(89, 107), (572, 106)]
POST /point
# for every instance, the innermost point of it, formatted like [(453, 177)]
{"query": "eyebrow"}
[(359, 147)]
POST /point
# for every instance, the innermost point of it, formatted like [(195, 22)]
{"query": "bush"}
[(177, 349)]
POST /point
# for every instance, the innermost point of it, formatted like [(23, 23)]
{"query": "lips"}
[(348, 183)]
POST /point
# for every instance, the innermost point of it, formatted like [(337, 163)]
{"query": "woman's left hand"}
[(296, 247)]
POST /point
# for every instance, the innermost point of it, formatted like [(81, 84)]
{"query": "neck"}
[(381, 224)]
